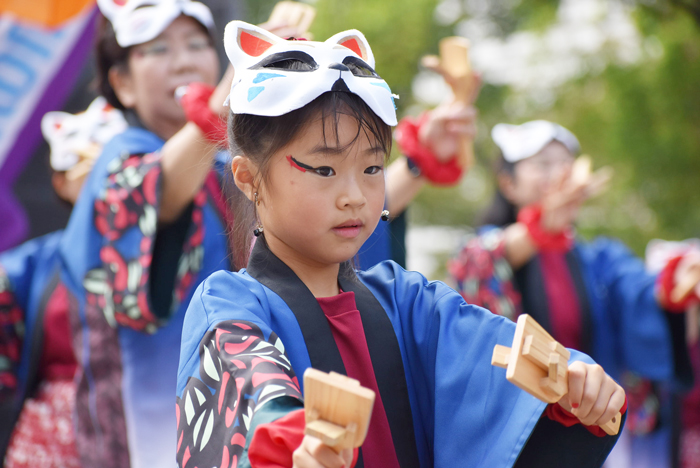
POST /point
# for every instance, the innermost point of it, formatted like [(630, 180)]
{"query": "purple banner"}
[(38, 69)]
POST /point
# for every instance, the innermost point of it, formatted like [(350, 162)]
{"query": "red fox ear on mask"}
[(274, 77)]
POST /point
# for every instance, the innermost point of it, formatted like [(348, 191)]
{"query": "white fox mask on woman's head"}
[(76, 138), (274, 77), (139, 21)]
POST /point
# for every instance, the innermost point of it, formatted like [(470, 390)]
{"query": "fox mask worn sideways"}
[(268, 67), (79, 138)]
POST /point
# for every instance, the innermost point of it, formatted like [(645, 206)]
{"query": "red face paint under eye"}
[(299, 165)]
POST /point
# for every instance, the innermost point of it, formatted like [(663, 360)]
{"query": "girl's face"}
[(533, 177), (180, 55), (323, 198)]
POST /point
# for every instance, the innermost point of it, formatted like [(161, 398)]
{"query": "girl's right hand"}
[(312, 453)]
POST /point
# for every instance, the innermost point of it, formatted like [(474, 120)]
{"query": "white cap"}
[(518, 142), (139, 21), (81, 136)]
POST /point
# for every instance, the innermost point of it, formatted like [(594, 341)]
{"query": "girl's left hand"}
[(594, 397)]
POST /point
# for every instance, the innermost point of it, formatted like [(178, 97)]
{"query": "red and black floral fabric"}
[(11, 335), (240, 370), (483, 276), (130, 200)]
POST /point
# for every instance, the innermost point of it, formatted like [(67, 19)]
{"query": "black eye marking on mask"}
[(359, 67), (289, 61)]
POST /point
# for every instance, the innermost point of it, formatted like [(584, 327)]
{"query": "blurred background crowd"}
[(620, 74)]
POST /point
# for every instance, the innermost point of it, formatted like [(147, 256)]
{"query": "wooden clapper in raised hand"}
[(295, 14), (337, 409), (455, 67), (538, 364)]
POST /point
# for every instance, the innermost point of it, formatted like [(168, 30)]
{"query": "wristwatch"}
[(412, 168)]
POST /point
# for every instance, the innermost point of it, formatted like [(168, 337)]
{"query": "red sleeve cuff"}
[(439, 173), (561, 241), (665, 283), (555, 412), (274, 443)]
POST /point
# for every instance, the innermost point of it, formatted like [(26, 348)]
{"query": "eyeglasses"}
[(166, 49)]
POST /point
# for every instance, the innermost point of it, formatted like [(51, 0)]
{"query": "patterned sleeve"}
[(240, 370), (483, 276), (11, 334), (126, 215)]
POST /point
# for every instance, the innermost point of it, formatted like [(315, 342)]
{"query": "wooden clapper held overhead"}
[(296, 14), (455, 67), (538, 364), (337, 409)]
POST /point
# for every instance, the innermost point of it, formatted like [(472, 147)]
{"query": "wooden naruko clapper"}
[(337, 409), (296, 14), (456, 69), (538, 364)]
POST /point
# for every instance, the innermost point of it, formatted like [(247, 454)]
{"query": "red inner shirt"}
[(349, 334), (562, 298), (57, 358)]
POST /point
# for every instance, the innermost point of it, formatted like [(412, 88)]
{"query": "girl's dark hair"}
[(258, 138), (108, 54), (501, 212)]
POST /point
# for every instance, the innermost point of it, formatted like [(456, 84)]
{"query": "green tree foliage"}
[(643, 118), (399, 31), (645, 122)]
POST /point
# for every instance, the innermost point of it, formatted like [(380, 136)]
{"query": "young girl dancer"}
[(311, 132)]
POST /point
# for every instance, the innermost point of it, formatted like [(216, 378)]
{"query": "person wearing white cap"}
[(37, 362), (593, 296), (149, 225)]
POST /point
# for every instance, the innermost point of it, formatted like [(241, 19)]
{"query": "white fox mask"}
[(139, 21), (81, 136), (265, 85)]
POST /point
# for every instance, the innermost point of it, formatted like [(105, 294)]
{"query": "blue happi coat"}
[(249, 335)]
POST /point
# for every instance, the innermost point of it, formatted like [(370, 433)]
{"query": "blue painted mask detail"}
[(254, 91), (260, 77), (383, 84)]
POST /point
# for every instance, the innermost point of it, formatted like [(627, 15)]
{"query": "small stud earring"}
[(385, 215)]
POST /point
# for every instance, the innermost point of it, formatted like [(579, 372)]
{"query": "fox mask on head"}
[(274, 76)]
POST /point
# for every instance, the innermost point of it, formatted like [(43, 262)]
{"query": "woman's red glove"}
[(195, 102)]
